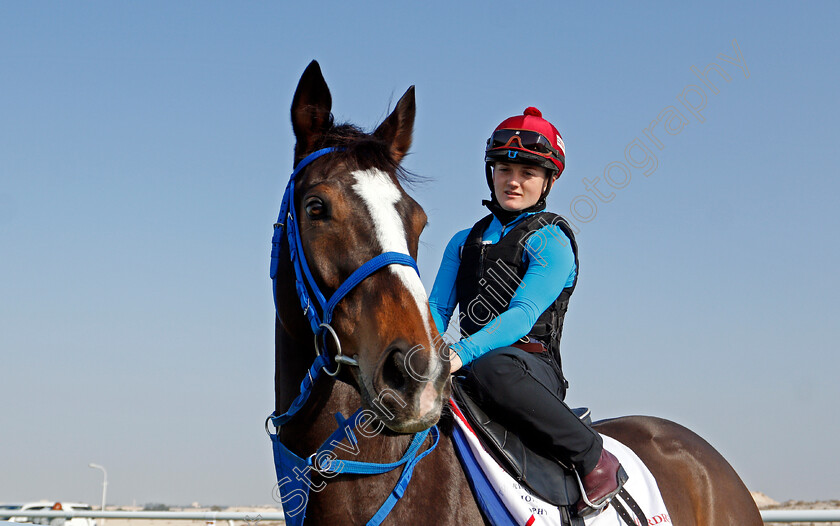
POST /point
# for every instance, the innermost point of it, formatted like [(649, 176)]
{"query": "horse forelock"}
[(360, 150)]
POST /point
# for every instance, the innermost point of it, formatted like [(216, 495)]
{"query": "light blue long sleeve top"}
[(551, 268)]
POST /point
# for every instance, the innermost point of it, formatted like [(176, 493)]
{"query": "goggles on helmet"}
[(529, 140)]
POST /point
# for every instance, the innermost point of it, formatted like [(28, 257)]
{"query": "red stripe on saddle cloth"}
[(460, 415)]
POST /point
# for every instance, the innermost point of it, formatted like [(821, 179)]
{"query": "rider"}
[(512, 274)]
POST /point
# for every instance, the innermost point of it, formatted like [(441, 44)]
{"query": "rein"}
[(292, 470)]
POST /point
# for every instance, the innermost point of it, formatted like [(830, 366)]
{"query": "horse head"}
[(351, 208)]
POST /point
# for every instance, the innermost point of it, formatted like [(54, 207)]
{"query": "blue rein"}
[(293, 472)]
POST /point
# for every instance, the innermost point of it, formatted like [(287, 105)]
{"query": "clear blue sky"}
[(144, 148)]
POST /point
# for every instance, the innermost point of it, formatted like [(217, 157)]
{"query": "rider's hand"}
[(454, 361)]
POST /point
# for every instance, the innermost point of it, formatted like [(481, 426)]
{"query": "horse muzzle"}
[(406, 387)]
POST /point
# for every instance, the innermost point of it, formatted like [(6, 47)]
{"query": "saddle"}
[(546, 477)]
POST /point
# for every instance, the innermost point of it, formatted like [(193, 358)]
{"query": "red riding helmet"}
[(527, 138)]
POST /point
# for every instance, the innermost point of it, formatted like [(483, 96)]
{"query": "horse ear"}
[(311, 107), (396, 130)]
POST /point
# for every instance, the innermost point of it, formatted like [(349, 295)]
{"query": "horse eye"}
[(315, 208)]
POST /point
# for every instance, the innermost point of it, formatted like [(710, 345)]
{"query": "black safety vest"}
[(490, 273)]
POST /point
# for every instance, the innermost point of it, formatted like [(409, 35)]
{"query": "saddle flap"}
[(544, 476)]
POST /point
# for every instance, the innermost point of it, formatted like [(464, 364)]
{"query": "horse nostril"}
[(393, 369)]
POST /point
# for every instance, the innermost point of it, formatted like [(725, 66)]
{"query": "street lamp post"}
[(104, 484)]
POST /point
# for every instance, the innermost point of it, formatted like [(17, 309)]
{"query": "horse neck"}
[(437, 486)]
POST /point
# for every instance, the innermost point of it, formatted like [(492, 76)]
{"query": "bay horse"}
[(353, 208)]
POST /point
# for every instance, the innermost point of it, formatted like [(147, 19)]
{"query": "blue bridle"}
[(293, 471)]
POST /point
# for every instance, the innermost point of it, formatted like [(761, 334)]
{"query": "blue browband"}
[(294, 472)]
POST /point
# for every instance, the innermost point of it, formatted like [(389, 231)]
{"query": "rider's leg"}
[(525, 392)]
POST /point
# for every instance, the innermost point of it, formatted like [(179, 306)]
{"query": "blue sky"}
[(145, 146)]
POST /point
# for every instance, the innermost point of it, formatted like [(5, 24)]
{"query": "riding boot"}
[(601, 484)]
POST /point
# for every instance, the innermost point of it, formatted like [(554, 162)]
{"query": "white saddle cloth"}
[(529, 510)]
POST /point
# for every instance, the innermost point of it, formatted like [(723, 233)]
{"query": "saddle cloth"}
[(505, 502)]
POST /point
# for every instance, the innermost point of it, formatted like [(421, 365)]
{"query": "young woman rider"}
[(512, 274)]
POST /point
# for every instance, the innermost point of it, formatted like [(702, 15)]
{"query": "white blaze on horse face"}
[(381, 195)]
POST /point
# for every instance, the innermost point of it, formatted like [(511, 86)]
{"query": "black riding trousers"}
[(525, 392)]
